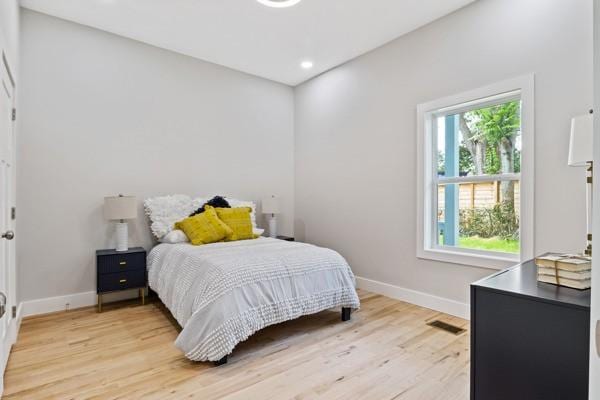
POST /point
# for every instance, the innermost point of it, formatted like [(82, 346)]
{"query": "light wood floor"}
[(386, 352)]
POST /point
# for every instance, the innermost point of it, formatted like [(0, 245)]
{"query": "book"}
[(576, 284), (578, 276), (567, 262)]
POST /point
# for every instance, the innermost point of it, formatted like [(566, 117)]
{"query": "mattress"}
[(222, 293)]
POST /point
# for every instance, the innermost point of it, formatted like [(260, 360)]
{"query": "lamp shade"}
[(270, 205), (580, 146), (120, 207)]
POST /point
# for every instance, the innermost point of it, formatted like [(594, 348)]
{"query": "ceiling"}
[(250, 37)]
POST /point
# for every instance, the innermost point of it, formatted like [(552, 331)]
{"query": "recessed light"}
[(279, 3), (306, 64)]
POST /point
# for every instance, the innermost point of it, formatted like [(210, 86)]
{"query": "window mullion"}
[(478, 178)]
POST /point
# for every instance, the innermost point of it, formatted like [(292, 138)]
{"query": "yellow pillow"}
[(238, 219), (204, 228)]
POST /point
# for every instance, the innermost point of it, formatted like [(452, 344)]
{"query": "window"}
[(475, 176)]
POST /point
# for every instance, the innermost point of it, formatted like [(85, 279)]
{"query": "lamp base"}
[(122, 234), (589, 199), (273, 227), (588, 250)]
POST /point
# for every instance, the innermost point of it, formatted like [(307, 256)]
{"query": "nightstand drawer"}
[(121, 262), (121, 280)]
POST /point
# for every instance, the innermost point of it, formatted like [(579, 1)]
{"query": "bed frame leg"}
[(222, 361), (346, 312)]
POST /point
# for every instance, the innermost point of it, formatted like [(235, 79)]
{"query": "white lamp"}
[(270, 205), (581, 155), (119, 208)]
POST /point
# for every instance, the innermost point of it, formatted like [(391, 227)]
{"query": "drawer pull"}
[(123, 263), (122, 280)]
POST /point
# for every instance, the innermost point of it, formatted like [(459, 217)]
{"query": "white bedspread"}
[(222, 293)]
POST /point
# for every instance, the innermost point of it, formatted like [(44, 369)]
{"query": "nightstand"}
[(120, 270), (286, 238)]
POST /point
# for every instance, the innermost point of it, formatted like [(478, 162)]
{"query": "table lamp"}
[(270, 205), (120, 208), (581, 155)]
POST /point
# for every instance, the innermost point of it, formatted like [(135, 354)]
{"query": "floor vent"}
[(455, 330)]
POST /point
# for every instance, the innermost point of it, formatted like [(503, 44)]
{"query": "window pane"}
[(482, 216), (482, 141)]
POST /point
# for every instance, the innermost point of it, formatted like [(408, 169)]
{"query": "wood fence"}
[(479, 195)]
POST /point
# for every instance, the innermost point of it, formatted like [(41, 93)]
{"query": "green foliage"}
[(499, 221), (492, 125), (492, 161), (465, 161), (498, 122), (517, 161)]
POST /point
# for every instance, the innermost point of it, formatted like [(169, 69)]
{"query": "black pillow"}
[(216, 202)]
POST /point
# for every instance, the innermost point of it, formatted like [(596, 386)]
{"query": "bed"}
[(222, 293)]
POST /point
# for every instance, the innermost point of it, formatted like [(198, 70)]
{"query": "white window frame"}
[(427, 247)]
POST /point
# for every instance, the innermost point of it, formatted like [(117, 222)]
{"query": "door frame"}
[(13, 310)]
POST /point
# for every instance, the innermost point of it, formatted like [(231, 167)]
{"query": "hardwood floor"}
[(385, 352)]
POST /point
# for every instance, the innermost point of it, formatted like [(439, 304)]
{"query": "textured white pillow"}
[(175, 236), (233, 203), (164, 211), (258, 231)]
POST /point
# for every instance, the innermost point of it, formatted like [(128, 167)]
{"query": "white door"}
[(595, 310), (7, 259)]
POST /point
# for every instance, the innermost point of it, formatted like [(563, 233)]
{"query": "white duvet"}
[(222, 293)]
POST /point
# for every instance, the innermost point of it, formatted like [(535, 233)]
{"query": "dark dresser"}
[(529, 340), (120, 270)]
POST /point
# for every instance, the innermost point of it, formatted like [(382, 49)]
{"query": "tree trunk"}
[(479, 158), (507, 166), (474, 144)]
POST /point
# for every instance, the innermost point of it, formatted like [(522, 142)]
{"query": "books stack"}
[(570, 270)]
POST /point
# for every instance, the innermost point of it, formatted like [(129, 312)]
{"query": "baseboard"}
[(71, 301), (85, 299), (426, 300)]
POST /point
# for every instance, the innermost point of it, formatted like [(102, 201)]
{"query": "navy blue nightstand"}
[(286, 238), (120, 270)]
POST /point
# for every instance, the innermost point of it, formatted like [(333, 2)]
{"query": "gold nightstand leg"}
[(99, 303), (143, 294)]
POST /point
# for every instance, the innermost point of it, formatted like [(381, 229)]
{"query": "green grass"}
[(491, 244)]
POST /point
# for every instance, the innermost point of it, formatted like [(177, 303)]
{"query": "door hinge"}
[(13, 213), (14, 114), (14, 311)]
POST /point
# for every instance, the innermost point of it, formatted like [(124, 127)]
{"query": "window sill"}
[(489, 261)]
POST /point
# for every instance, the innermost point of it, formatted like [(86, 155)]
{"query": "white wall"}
[(355, 134), (9, 31), (595, 312), (102, 115)]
